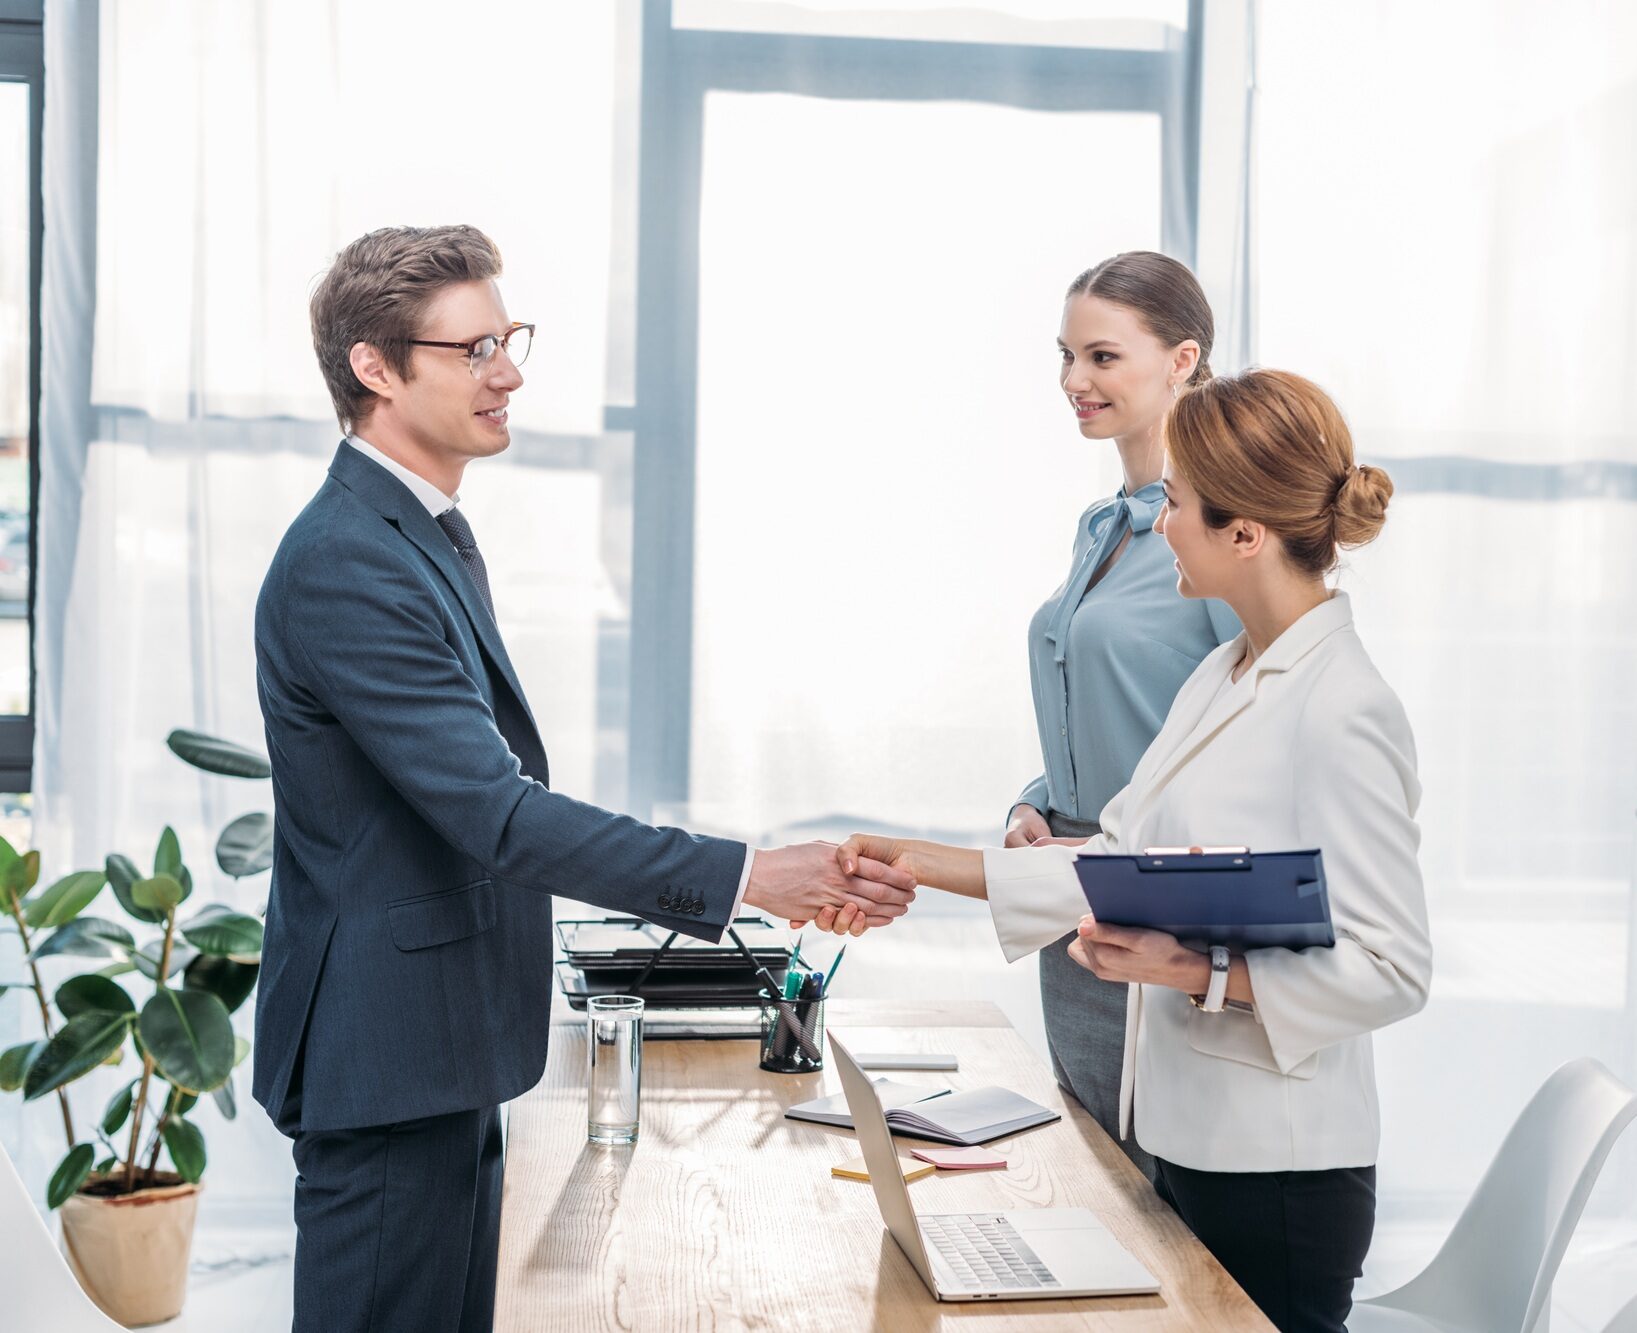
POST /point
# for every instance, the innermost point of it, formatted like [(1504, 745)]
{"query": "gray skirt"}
[(1085, 1024)]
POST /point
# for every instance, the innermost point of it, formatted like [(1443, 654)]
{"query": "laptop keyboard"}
[(985, 1251)]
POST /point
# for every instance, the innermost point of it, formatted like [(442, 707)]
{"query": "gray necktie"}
[(459, 532)]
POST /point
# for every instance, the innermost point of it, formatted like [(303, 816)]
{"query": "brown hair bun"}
[(1361, 505), (1273, 448)]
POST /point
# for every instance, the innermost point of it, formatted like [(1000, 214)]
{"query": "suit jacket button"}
[(665, 902), (699, 908)]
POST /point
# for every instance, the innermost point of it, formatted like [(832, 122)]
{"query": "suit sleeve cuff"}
[(744, 883), (1034, 896)]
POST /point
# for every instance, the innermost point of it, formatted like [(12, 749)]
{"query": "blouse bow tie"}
[(1108, 525)]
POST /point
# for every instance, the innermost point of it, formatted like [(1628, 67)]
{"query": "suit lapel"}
[(393, 501), (1196, 716), (1207, 708)]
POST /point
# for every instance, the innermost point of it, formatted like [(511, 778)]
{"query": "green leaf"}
[(64, 900), (228, 981), (122, 877), (70, 1174), (218, 756), (116, 969), (190, 1037), (80, 1046), (186, 1146), (14, 1063), (90, 994), (147, 958), (241, 1051), (218, 929), (87, 937), (106, 1165), (118, 1108), (160, 894), (246, 845), (226, 1100), (20, 873), (185, 1102), (167, 857)]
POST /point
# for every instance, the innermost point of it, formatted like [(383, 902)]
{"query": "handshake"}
[(846, 889)]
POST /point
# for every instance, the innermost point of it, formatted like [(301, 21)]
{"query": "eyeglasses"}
[(481, 351)]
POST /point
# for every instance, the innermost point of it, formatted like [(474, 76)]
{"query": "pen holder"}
[(792, 1035)]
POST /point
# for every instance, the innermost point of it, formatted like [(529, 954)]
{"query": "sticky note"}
[(961, 1159), (856, 1169)]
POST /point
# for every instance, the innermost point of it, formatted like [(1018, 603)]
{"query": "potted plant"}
[(128, 1224)]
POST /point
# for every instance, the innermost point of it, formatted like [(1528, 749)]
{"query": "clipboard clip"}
[(1177, 858), (1195, 851)]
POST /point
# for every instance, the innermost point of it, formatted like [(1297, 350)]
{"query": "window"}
[(820, 316), (21, 84)]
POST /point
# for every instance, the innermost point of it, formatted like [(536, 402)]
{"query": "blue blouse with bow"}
[(1106, 663)]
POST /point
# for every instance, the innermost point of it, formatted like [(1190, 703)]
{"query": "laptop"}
[(1038, 1253)]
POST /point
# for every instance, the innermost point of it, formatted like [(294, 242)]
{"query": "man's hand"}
[(806, 883), (1126, 953), (1026, 826)]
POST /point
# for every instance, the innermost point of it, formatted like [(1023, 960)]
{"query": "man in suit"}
[(406, 977)]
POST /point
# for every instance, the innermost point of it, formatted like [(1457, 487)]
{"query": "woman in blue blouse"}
[(1109, 650)]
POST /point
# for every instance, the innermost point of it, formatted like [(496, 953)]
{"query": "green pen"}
[(792, 983)]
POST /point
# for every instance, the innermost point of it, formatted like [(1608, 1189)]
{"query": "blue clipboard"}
[(1242, 899)]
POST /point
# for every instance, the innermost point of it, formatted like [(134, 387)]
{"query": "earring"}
[(1173, 391)]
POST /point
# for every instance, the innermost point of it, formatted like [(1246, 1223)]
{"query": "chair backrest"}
[(36, 1285), (1625, 1319), (1495, 1270)]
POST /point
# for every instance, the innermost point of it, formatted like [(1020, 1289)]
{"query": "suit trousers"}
[(1085, 1024), (398, 1226), (1294, 1240)]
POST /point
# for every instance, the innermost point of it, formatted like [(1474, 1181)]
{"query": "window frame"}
[(22, 60)]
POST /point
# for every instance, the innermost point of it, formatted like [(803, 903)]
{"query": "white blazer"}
[(1310, 748)]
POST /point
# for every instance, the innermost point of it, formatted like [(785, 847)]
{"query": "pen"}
[(792, 983)]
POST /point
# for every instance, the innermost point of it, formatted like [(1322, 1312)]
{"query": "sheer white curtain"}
[(233, 149), (1446, 242)]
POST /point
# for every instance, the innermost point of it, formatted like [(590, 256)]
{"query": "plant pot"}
[(130, 1251)]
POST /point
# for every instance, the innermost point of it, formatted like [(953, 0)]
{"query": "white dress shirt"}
[(1310, 748), (437, 503)]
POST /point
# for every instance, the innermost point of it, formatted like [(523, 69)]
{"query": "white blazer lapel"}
[(1203, 708), (1195, 709)]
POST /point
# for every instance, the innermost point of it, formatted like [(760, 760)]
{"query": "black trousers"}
[(1294, 1240), (398, 1226)]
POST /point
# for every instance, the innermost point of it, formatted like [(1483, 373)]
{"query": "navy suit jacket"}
[(407, 968)]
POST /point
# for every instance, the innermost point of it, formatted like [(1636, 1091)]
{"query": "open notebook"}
[(971, 1117)]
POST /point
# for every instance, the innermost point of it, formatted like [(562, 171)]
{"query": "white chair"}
[(1625, 1319), (37, 1287), (1494, 1273)]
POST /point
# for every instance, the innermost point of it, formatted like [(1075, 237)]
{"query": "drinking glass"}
[(613, 1067)]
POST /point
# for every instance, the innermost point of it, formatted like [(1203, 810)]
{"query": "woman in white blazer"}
[(1250, 1077)]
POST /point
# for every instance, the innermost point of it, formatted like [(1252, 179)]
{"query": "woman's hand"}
[(1151, 957), (1026, 826), (1060, 842), (868, 856)]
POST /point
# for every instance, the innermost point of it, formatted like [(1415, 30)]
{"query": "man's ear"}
[(372, 370)]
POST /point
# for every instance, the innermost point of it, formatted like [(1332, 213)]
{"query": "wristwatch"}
[(1212, 1001)]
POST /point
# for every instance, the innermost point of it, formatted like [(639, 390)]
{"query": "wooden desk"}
[(725, 1216)]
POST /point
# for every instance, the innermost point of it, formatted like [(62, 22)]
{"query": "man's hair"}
[(377, 291)]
